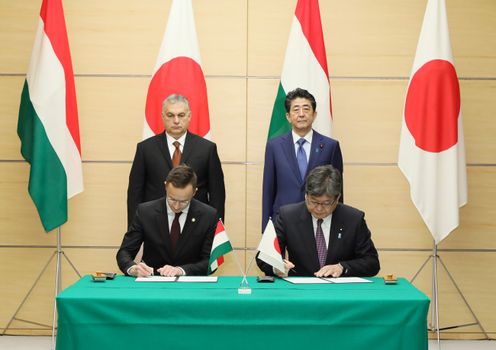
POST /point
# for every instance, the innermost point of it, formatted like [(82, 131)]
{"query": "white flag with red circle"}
[(432, 150), (269, 250), (178, 71)]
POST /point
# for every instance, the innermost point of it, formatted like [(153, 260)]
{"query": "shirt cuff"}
[(129, 269)]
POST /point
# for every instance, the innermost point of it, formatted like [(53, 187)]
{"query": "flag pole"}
[(434, 326), (435, 293), (58, 283)]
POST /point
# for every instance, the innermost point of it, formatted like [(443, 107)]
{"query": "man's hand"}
[(330, 271), (170, 271), (288, 265), (141, 270)]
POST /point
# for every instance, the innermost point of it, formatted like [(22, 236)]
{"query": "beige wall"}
[(370, 47)]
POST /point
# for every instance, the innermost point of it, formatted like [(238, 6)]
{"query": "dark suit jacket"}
[(282, 182), (152, 164), (349, 242), (150, 227)]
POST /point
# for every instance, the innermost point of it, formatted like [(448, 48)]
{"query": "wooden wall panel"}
[(383, 194), (254, 205), (479, 109), (98, 216), (18, 23), (373, 39), (227, 104), (20, 223), (467, 273), (10, 92), (235, 218), (111, 116), (261, 97), (269, 23)]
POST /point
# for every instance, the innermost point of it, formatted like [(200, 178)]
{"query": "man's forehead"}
[(322, 198), (178, 106), (300, 102)]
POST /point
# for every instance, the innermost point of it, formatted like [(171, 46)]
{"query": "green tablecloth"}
[(124, 314)]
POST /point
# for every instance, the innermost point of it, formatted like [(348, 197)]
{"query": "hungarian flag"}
[(268, 248), (432, 151), (305, 66), (220, 247), (178, 71), (48, 120)]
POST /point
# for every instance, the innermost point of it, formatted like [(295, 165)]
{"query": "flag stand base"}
[(244, 287), (434, 325), (58, 253)]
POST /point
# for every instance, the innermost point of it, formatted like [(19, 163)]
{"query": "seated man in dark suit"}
[(176, 231), (322, 236)]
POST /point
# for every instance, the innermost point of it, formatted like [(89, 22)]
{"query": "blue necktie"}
[(301, 157)]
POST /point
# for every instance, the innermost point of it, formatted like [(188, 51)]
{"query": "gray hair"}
[(324, 180), (175, 98)]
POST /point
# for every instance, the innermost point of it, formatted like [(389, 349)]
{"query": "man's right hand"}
[(141, 270), (288, 265)]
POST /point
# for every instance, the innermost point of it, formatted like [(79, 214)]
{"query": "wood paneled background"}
[(370, 47)]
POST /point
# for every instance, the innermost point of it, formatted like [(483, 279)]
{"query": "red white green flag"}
[(220, 247), (48, 120), (178, 71), (432, 150), (305, 66)]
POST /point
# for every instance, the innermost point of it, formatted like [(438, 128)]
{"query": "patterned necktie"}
[(301, 157), (321, 243), (175, 231), (176, 157)]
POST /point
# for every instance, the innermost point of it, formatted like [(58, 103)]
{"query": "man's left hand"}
[(330, 271), (170, 271)]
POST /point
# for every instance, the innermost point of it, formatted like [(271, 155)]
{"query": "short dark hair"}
[(181, 176), (324, 180), (299, 93)]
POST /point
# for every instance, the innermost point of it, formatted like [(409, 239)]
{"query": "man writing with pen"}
[(323, 237), (176, 231)]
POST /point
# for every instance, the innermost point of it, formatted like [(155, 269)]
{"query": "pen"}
[(151, 273)]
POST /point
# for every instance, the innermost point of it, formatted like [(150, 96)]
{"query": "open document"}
[(200, 279), (322, 280)]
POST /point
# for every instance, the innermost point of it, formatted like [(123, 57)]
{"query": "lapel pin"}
[(193, 219)]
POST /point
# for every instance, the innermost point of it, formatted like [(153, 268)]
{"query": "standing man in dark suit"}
[(323, 237), (157, 155), (177, 231), (289, 157)]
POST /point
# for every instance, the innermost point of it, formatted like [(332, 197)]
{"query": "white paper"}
[(348, 280), (155, 279), (306, 280), (197, 279)]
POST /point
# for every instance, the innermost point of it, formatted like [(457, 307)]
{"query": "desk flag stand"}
[(244, 287), (434, 326), (58, 253)]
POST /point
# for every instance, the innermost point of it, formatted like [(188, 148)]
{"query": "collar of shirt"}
[(306, 146), (171, 215), (326, 227), (171, 140)]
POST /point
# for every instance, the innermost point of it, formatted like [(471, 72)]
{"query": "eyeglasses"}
[(326, 205), (182, 203)]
